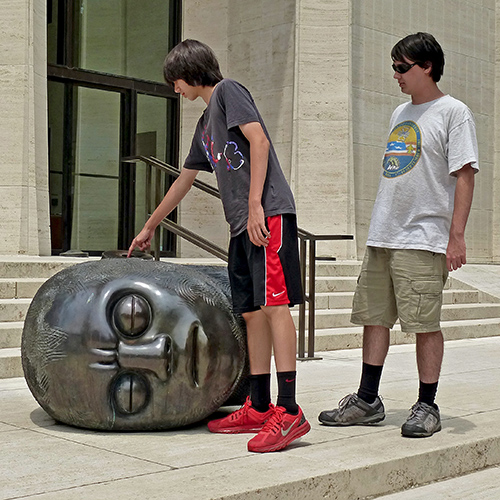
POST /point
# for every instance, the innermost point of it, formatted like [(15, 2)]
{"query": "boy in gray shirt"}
[(232, 141)]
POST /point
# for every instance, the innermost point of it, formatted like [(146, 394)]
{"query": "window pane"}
[(123, 37), (95, 215), (56, 139), (52, 26), (98, 132), (152, 113), (96, 184)]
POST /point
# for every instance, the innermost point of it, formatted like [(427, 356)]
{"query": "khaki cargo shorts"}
[(404, 284)]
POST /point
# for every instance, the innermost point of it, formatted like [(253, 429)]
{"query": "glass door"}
[(84, 126), (107, 101), (96, 171)]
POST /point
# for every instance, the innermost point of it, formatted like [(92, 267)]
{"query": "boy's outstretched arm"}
[(456, 251), (173, 197), (259, 154)]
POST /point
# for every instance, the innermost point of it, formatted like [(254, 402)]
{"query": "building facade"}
[(319, 71)]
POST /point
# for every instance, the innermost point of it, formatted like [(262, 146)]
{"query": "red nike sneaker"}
[(279, 431), (246, 419)]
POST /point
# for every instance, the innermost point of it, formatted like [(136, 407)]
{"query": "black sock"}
[(370, 381), (286, 392), (427, 393), (260, 391)]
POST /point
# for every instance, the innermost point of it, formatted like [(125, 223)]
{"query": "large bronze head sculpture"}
[(128, 344)]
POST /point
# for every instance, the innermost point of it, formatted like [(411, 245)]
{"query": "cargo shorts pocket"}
[(427, 300)]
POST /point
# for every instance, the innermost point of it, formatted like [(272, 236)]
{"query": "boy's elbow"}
[(264, 143)]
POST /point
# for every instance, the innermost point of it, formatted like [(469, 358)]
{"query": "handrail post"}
[(302, 307), (312, 298), (149, 198), (157, 236)]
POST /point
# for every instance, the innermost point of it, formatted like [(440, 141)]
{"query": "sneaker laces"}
[(243, 411), (344, 402), (417, 410), (274, 422)]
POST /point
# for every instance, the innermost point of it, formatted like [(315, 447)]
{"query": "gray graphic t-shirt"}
[(219, 146), (427, 144)]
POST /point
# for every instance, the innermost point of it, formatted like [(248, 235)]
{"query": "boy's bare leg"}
[(284, 337), (430, 348), (259, 341), (288, 415), (252, 416), (376, 340)]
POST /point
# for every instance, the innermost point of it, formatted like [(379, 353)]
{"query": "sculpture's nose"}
[(155, 356)]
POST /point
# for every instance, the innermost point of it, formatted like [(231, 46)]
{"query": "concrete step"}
[(342, 300), (335, 284), (334, 300), (35, 267), (13, 309), (10, 363), (11, 288), (452, 312), (339, 318), (463, 316), (338, 268), (20, 288), (326, 283), (351, 337), (10, 334)]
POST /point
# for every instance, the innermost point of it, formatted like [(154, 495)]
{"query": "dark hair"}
[(194, 62), (421, 48)]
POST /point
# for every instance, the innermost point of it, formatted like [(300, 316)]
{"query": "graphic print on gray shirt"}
[(219, 146)]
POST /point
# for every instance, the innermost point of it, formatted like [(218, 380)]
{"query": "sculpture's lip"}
[(104, 358)]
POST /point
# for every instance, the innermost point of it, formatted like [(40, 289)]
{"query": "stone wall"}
[(320, 74), (24, 207), (322, 133), (204, 20), (298, 74), (466, 31), (495, 226), (254, 42)]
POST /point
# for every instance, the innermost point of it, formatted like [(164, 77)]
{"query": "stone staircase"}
[(467, 312), (20, 278)]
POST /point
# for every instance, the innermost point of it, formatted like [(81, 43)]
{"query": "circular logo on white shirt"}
[(403, 149)]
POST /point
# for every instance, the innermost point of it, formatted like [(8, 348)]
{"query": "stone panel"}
[(468, 76), (495, 229), (23, 130), (322, 149)]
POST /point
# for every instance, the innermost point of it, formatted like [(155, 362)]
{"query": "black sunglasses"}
[(403, 67)]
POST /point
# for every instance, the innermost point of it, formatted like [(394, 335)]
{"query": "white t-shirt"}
[(427, 144)]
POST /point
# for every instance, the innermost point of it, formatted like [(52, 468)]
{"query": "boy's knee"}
[(276, 311)]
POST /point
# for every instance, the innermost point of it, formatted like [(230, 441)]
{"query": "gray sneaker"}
[(424, 421), (352, 411)]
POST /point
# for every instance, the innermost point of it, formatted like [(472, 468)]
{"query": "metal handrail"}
[(168, 224), (303, 235), (194, 238), (169, 169), (310, 288)]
